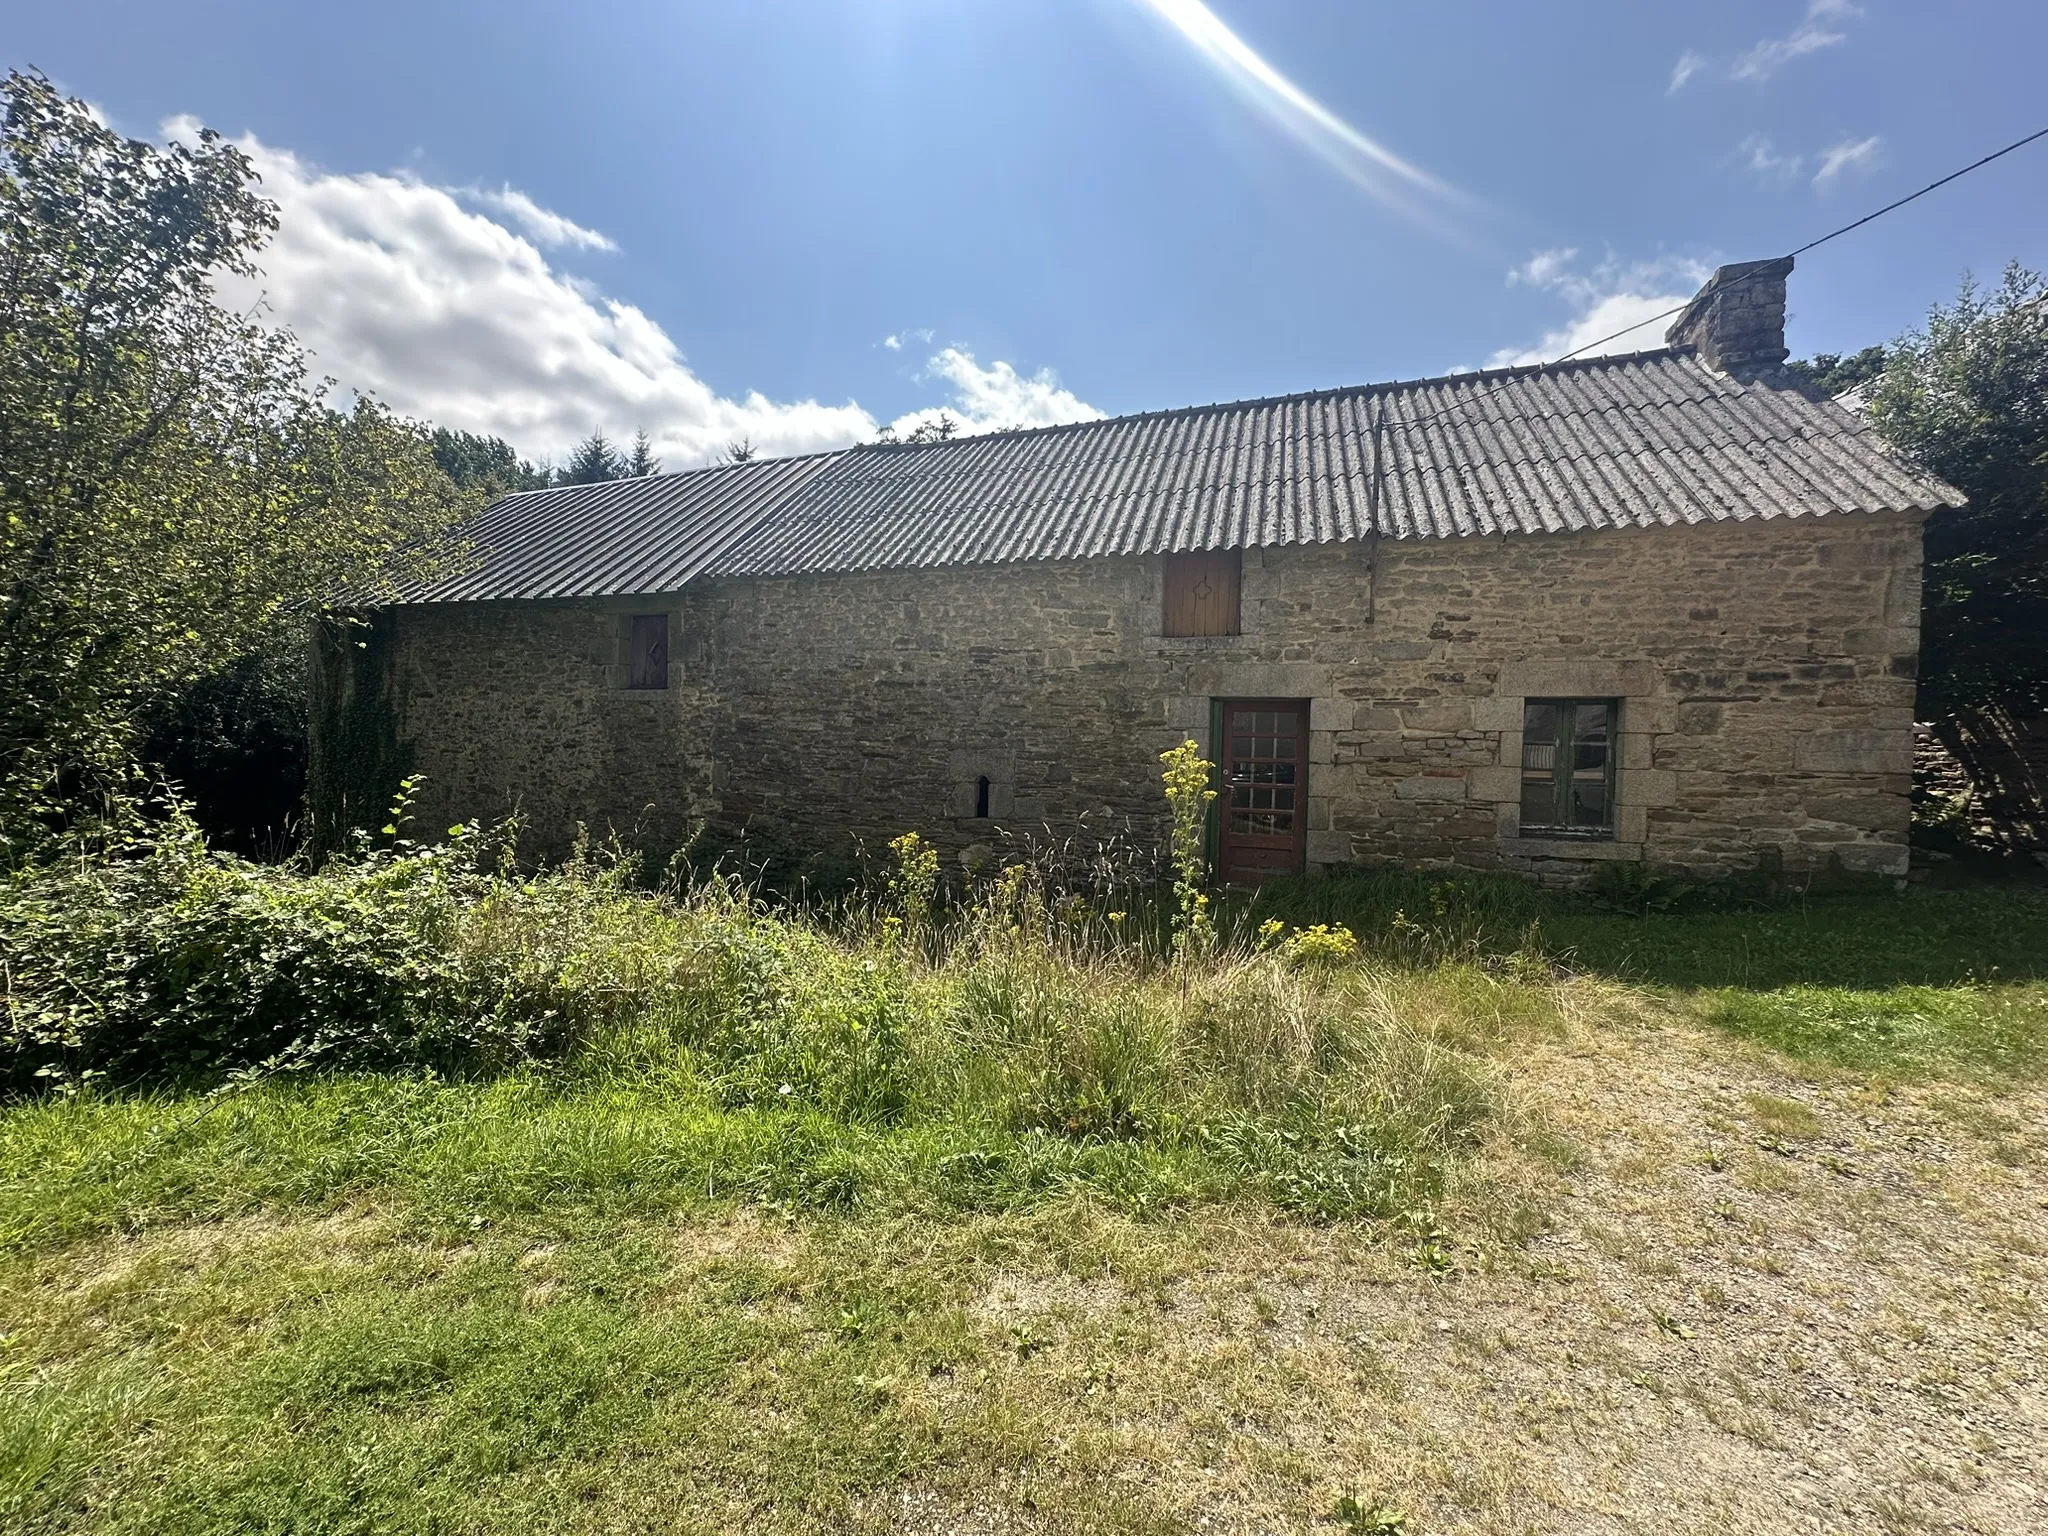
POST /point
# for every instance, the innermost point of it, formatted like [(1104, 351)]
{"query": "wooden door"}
[(1262, 826)]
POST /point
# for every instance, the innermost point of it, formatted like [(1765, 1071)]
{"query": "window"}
[(1568, 767), (1202, 592), (647, 651), (981, 797)]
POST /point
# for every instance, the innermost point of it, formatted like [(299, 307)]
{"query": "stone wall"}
[(1765, 673), (1991, 768)]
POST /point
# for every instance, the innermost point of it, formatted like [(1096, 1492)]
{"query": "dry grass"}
[(1680, 1286), (1433, 1247)]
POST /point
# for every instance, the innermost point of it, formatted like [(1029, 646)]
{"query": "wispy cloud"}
[(895, 342), (414, 293), (546, 227), (1821, 28), (1606, 298), (1367, 164), (1763, 158), (1689, 64), (1545, 268), (1857, 157)]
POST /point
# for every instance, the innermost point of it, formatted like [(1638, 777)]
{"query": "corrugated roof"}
[(618, 537), (1653, 439)]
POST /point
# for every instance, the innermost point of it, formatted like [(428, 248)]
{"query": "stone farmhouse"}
[(1660, 607)]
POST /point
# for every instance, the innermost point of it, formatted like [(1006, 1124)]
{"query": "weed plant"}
[(564, 1036)]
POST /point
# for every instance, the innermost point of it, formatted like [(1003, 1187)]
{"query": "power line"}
[(1951, 176), (1832, 234)]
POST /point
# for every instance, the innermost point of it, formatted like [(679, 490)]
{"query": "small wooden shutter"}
[(1202, 592), (647, 651)]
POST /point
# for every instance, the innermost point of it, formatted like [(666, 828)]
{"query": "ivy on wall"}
[(356, 761)]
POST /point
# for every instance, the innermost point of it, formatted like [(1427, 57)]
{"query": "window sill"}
[(1199, 642), (1600, 847)]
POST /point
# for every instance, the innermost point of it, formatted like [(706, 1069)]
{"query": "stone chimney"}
[(1737, 322)]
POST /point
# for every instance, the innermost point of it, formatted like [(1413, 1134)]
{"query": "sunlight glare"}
[(1368, 165)]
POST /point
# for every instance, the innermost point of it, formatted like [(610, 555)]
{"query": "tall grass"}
[(198, 1026)]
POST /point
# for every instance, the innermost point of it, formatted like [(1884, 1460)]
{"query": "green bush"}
[(1014, 1041), (163, 959)]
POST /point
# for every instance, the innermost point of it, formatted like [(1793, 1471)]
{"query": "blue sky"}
[(792, 220)]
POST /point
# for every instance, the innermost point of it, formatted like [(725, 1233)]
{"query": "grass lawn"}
[(1721, 1221)]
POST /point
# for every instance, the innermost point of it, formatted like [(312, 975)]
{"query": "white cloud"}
[(446, 313), (1617, 306), (544, 226), (895, 342), (1689, 64), (998, 396), (1762, 157), (1852, 156), (1544, 268), (1818, 30)]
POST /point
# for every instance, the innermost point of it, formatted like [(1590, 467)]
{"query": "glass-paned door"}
[(1262, 822)]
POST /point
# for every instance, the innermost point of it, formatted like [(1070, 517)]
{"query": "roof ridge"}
[(1163, 413), (674, 474), (1378, 387)]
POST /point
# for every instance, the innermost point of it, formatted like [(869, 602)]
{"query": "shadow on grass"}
[(1918, 937), (1919, 983)]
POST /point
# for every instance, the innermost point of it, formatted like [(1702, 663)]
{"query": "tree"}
[(934, 429), (594, 462), (173, 492), (1966, 398), (1832, 374), (641, 462), (741, 451), (487, 464)]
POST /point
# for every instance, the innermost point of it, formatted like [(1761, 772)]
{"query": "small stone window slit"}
[(981, 798)]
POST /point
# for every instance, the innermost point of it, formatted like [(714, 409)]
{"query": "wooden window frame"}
[(647, 641), (1563, 770), (1186, 610)]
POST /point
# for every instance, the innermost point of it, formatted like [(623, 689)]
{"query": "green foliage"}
[(640, 461), (594, 461), (359, 761), (233, 744), (1967, 399), (913, 883), (1370, 1519), (170, 486), (941, 428), (953, 1070), (1830, 374), (1318, 945), (1188, 796), (782, 1019), (487, 464), (160, 960)]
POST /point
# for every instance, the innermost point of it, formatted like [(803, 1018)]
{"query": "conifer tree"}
[(594, 462)]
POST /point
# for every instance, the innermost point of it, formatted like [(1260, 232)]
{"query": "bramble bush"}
[(157, 958)]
